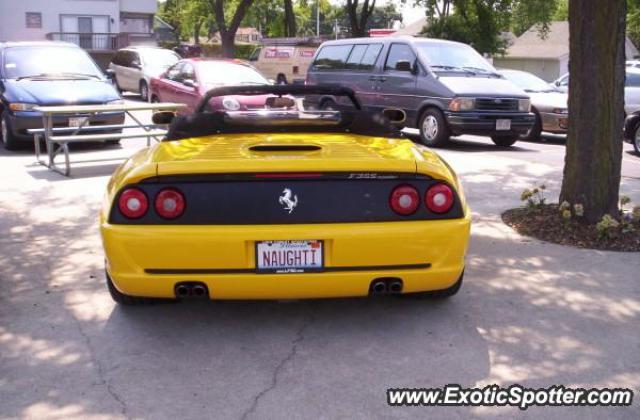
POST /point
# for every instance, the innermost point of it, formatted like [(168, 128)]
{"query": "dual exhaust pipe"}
[(191, 290), (386, 286)]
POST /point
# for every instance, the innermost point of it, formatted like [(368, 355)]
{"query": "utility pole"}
[(318, 18)]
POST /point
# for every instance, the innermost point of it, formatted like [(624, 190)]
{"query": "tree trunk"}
[(196, 31), (228, 44), (357, 23), (228, 32), (596, 105), (290, 19)]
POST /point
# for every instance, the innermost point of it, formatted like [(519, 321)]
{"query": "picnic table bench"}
[(85, 132)]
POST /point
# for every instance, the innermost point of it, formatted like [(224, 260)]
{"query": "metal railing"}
[(94, 41)]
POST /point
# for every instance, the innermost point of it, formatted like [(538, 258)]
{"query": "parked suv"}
[(48, 73), (446, 88), (134, 67)]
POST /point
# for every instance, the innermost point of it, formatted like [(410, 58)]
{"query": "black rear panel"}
[(258, 199)]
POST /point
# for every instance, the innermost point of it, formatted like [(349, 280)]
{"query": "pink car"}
[(188, 80)]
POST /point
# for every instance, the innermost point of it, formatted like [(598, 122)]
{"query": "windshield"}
[(452, 57), (527, 81), (221, 73), (40, 61), (160, 58)]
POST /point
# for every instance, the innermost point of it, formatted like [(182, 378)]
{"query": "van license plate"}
[(503, 125), (289, 256)]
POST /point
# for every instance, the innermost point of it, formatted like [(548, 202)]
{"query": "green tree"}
[(480, 22)]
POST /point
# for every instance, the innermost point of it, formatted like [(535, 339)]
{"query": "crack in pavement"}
[(274, 376), (100, 370)]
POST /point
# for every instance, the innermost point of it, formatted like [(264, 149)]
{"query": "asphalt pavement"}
[(529, 312)]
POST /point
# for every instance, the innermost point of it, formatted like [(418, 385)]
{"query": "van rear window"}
[(332, 57)]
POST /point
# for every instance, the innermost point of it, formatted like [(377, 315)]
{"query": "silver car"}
[(631, 87), (547, 103)]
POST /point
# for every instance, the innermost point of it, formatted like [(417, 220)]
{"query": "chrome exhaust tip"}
[(182, 290), (395, 287), (199, 290), (379, 287)]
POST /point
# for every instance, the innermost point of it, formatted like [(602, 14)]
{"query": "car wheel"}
[(534, 134), (636, 139), (433, 128), (504, 141), (144, 91), (8, 139), (123, 299), (155, 99), (437, 294), (281, 79), (328, 105)]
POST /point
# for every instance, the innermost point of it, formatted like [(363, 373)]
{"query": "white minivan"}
[(134, 67)]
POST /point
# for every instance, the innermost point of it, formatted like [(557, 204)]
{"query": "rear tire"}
[(504, 141), (434, 131), (438, 294), (328, 105), (122, 299), (636, 139), (535, 133), (7, 138), (144, 91), (281, 79)]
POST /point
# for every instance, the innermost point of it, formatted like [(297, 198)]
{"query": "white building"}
[(96, 25), (547, 58)]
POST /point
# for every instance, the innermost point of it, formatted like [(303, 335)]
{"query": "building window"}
[(34, 20)]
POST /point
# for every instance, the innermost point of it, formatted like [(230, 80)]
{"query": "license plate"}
[(77, 122), (503, 125), (289, 256)]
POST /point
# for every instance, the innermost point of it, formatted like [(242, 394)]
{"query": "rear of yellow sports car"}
[(278, 216)]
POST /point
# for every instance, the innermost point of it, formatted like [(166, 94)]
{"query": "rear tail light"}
[(170, 203), (133, 203), (404, 200), (439, 198)]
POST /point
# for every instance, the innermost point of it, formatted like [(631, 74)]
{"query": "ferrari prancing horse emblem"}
[(286, 200)]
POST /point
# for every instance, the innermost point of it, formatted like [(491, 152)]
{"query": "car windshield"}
[(221, 73), (453, 57), (160, 57), (25, 62), (527, 81)]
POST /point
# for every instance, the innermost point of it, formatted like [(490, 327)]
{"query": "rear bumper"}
[(193, 253), (20, 122), (484, 123), (554, 123)]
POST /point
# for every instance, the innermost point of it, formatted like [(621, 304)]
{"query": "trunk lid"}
[(285, 152)]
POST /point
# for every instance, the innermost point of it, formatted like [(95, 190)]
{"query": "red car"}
[(188, 80)]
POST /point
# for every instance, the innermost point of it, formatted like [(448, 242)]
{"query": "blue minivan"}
[(445, 88), (48, 73)]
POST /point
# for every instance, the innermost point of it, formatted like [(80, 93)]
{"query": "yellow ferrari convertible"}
[(283, 202)]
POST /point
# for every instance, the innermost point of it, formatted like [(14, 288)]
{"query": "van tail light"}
[(404, 200), (439, 198), (133, 203), (170, 203)]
